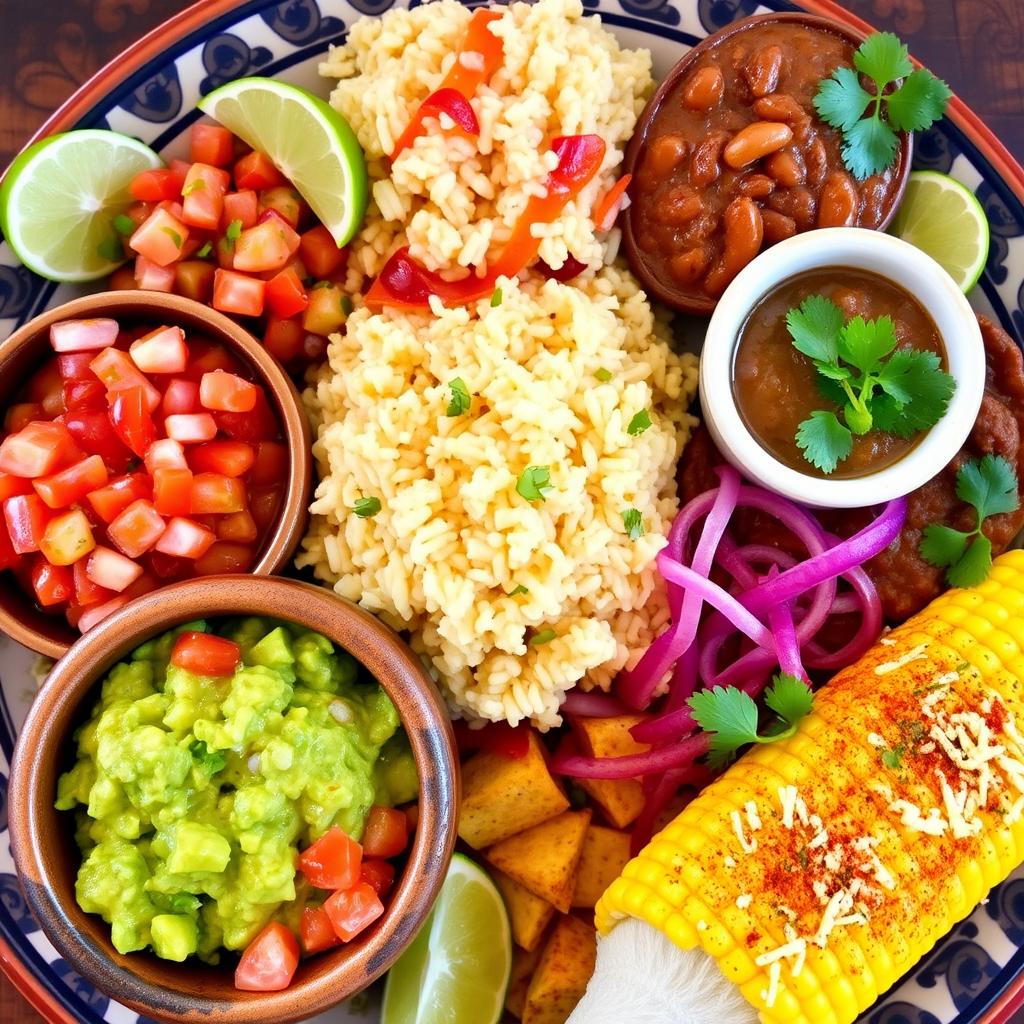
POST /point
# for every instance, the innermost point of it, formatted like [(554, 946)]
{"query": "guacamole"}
[(194, 793)]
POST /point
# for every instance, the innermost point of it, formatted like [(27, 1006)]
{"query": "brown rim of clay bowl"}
[(677, 298), (42, 838), (29, 346)]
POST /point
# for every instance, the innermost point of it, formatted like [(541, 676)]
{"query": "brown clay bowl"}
[(639, 260), (47, 859), (28, 347)]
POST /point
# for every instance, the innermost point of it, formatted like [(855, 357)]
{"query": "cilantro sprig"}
[(869, 139), (989, 485), (730, 716), (875, 385)]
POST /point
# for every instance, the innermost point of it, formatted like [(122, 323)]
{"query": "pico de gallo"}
[(131, 458), (227, 229)]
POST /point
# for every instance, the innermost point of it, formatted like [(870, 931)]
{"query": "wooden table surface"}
[(49, 47)]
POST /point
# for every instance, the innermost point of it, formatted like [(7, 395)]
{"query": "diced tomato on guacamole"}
[(224, 781)]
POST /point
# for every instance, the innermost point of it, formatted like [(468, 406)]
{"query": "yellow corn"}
[(868, 744)]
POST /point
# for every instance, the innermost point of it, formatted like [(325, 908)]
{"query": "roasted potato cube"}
[(523, 965), (605, 854), (529, 915), (561, 976)]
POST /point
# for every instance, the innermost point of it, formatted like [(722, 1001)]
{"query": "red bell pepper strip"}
[(480, 55), (405, 284), (607, 207)]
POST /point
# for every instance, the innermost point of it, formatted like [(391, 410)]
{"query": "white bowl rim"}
[(907, 266)]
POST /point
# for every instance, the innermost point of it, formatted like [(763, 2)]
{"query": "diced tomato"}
[(213, 494), (353, 910), (173, 207), (172, 491), (207, 357), (161, 351), (108, 502), (285, 201), (136, 529), (241, 206), (38, 449), (71, 484), (139, 211), (256, 171), (237, 293), (83, 335), (238, 527), (53, 584), (225, 557), (259, 424), (166, 566), (203, 193), (184, 538), (46, 388), (151, 277), (211, 144), (283, 338), (267, 246), (286, 295), (21, 415), (315, 931), (194, 280), (67, 538), (132, 420), (379, 875), (225, 253), (264, 503), (269, 961), (9, 558), (161, 238), (226, 392), (84, 394), (191, 427), (165, 454), (87, 592), (94, 434), (180, 396), (328, 309), (270, 465), (75, 366), (144, 583), (154, 186), (11, 486), (96, 613), (320, 252), (385, 834), (332, 862), (119, 373), (229, 458), (204, 654), (109, 569), (495, 737)]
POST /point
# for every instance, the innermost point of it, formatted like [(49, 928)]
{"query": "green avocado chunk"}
[(193, 795)]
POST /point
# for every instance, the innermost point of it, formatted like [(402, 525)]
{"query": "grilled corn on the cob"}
[(817, 870)]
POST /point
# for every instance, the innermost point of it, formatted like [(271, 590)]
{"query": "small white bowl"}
[(899, 262)]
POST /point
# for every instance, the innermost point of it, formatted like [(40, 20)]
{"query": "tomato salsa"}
[(735, 159), (131, 458), (777, 387)]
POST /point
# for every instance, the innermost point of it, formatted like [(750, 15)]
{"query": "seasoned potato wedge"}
[(605, 854), (562, 973)]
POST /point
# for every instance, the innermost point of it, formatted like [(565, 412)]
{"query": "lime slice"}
[(308, 141), (942, 217), (457, 968), (59, 199)]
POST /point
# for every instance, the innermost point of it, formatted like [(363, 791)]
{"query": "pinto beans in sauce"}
[(740, 123)]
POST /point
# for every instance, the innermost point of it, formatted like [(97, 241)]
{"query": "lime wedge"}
[(457, 968), (60, 197), (308, 141), (944, 218)]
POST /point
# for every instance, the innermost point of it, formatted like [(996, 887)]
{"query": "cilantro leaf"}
[(603, 375), (865, 343), (545, 636), (639, 423), (789, 697), (974, 566), (123, 224), (893, 759), (883, 58), (212, 761), (460, 401), (730, 716), (814, 327), (366, 508), (989, 485), (111, 249), (869, 147), (633, 521), (942, 545), (918, 102), (841, 100), (520, 589), (889, 416), (534, 483), (916, 380), (824, 441)]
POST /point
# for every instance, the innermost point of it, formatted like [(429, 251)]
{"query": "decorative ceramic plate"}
[(975, 973)]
